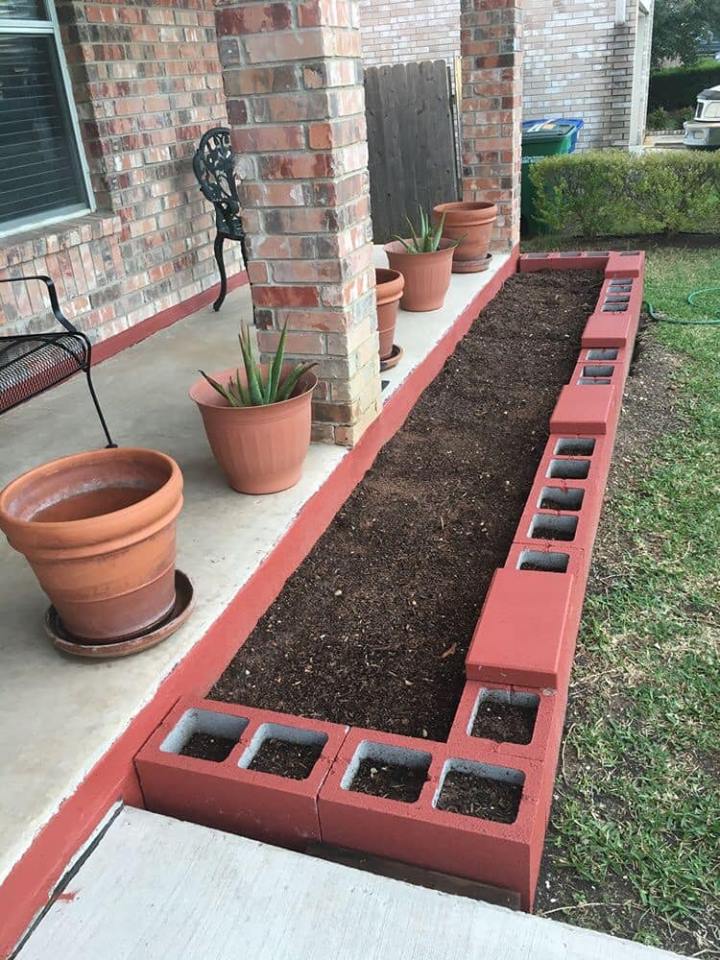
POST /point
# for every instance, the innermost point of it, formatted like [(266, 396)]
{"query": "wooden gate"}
[(412, 142)]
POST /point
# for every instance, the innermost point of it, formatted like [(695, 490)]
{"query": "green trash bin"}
[(542, 138)]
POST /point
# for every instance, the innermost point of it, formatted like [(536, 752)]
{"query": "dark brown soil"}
[(292, 760), (389, 780), (504, 722), (545, 531), (475, 796), (204, 746), (373, 627)]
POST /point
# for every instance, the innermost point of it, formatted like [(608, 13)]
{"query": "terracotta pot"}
[(389, 285), (427, 275), (98, 529), (259, 449), (472, 225)]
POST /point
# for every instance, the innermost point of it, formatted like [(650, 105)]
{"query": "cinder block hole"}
[(621, 286), (594, 381), (555, 498), (575, 447), (629, 253), (569, 469), (546, 526), (504, 716), (480, 790), (387, 771), (604, 353), (546, 561), (617, 296), (284, 751), (598, 370), (204, 735), (613, 308), (571, 253)]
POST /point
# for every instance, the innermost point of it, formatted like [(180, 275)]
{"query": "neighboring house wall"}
[(581, 56), (399, 31), (146, 81)]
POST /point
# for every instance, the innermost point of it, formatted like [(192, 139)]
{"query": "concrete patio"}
[(59, 715)]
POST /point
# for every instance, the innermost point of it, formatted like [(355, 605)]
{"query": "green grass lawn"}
[(634, 845)]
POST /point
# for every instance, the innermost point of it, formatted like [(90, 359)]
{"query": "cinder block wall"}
[(146, 81), (578, 61)]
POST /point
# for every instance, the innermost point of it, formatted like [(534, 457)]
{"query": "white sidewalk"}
[(161, 889)]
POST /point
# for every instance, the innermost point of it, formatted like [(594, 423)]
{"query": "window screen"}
[(42, 175)]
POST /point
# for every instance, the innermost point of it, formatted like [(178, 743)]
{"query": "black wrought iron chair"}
[(31, 363), (214, 168)]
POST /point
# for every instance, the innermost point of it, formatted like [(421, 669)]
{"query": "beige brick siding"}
[(578, 60)]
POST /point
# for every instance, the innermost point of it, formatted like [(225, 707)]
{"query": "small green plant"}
[(427, 238), (258, 392)]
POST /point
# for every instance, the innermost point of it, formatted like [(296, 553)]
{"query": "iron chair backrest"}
[(215, 171)]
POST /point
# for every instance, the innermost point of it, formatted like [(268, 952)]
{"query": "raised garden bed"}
[(456, 721)]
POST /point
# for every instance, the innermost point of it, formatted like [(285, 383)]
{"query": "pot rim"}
[(467, 211), (254, 410), (129, 513), (446, 245)]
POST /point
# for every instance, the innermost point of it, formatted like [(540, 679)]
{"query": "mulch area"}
[(373, 627)]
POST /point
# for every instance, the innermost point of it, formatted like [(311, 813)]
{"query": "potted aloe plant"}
[(257, 419), (425, 260)]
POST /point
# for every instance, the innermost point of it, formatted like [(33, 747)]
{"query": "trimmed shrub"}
[(678, 87), (613, 192)]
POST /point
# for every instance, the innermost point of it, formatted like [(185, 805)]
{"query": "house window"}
[(43, 175)]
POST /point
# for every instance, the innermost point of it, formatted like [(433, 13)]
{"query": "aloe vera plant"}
[(259, 391), (427, 238)]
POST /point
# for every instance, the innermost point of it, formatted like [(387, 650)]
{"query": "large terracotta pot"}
[(472, 225), (98, 529), (259, 449), (427, 275), (389, 285)]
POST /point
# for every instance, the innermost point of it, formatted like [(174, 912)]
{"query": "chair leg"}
[(219, 239), (97, 407)]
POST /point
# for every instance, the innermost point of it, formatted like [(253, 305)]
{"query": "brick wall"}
[(146, 81), (293, 79), (399, 31), (578, 61)]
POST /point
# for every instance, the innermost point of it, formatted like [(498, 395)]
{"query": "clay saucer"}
[(65, 641), (393, 360), (471, 266)]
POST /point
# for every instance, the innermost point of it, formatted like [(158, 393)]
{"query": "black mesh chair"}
[(214, 168), (31, 363)]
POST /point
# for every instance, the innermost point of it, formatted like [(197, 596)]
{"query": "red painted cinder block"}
[(584, 408), (505, 855), (548, 719), (564, 260), (522, 627), (224, 795), (625, 263)]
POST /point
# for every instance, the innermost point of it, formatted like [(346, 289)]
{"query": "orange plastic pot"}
[(471, 224), (259, 449), (389, 285), (98, 529), (427, 275)]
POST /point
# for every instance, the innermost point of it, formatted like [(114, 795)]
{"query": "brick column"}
[(490, 42), (293, 82)]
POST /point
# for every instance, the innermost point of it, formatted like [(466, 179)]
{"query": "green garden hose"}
[(661, 318)]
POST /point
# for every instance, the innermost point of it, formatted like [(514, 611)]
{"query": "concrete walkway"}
[(160, 889)]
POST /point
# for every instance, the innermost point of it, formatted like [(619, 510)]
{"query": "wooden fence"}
[(412, 147)]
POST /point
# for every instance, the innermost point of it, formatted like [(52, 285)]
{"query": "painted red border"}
[(29, 885), (165, 318)]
